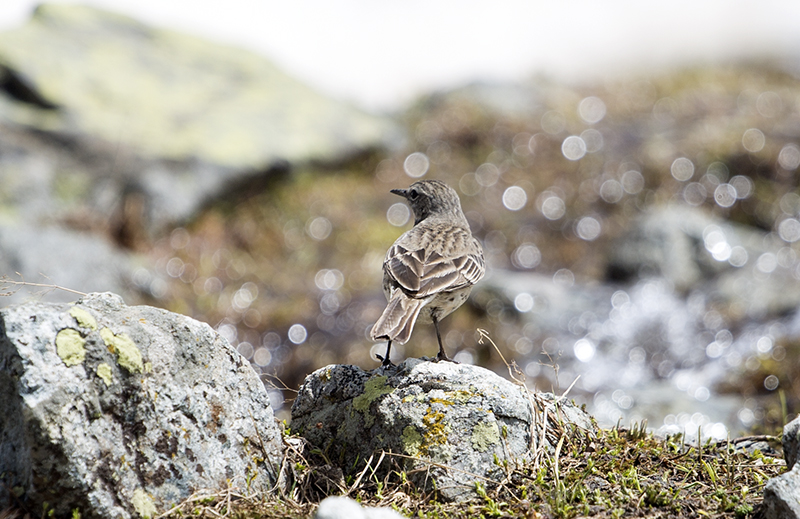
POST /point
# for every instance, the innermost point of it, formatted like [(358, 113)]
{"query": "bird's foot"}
[(385, 362), (442, 356)]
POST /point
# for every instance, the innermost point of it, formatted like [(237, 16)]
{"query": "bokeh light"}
[(297, 333), (753, 140), (592, 110), (398, 214), (416, 165), (588, 228), (789, 157), (515, 198), (573, 148), (682, 169)]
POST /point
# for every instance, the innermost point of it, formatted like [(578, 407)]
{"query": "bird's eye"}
[(413, 195)]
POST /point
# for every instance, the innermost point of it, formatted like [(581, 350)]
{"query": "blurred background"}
[(630, 168)]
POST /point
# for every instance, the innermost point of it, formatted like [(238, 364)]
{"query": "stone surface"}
[(691, 248), (121, 411), (782, 497), (791, 442), (72, 259), (465, 419), (111, 116), (341, 507), (171, 95)]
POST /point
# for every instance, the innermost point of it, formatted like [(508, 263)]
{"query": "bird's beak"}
[(401, 192)]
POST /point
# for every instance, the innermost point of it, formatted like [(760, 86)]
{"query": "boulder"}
[(782, 497), (449, 425), (782, 494), (689, 247), (150, 112), (791, 442), (118, 411)]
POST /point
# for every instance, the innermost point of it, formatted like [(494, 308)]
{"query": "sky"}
[(380, 55)]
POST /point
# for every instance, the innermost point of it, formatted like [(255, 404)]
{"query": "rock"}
[(77, 260), (144, 111), (781, 499), (691, 248), (460, 424), (791, 442), (341, 507), (120, 411), (172, 95), (782, 494)]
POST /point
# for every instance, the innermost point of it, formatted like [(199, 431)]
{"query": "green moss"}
[(128, 355), (70, 346), (484, 435), (104, 372), (143, 503), (84, 318)]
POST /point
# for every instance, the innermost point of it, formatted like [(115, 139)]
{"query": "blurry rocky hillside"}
[(641, 233)]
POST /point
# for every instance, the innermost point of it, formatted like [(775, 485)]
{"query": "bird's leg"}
[(442, 354), (386, 362)]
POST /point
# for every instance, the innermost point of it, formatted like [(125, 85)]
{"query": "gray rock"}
[(691, 248), (782, 497), (341, 507), (121, 411), (460, 424), (76, 260), (791, 442), (140, 110)]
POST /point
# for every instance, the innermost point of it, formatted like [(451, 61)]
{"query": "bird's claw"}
[(385, 362), (443, 357)]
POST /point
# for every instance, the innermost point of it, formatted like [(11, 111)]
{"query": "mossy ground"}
[(615, 473)]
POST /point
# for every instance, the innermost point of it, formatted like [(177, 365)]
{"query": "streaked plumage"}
[(430, 269)]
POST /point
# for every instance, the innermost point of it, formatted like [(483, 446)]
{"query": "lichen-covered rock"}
[(465, 419), (121, 411), (84, 71)]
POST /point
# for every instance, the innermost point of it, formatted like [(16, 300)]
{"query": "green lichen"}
[(412, 440), (143, 504), (374, 388), (84, 318), (484, 435), (70, 346), (128, 355), (104, 372)]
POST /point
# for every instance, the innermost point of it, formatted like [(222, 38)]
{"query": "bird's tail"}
[(397, 321)]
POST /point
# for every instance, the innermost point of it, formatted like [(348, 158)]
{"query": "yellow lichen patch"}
[(484, 435), (104, 372), (128, 355), (70, 346), (84, 318), (143, 504), (436, 431)]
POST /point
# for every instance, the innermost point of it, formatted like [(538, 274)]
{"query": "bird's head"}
[(431, 197)]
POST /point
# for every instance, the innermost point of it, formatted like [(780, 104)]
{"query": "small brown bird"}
[(430, 269)]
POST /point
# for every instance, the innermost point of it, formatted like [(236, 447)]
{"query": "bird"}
[(431, 268)]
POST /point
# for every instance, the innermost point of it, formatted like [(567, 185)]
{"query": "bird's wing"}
[(420, 273)]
